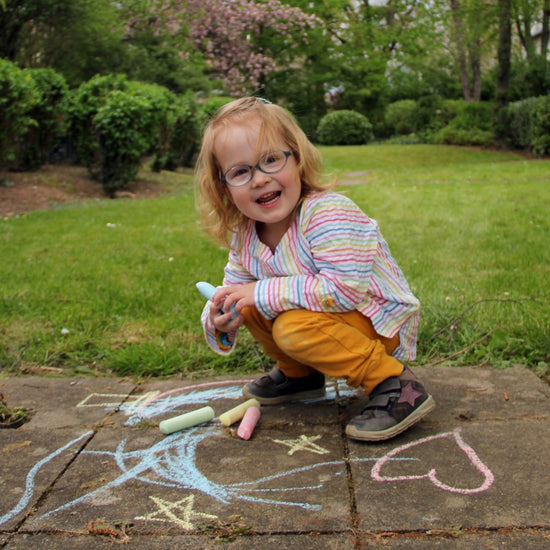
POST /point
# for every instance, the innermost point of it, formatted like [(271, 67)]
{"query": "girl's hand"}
[(237, 296)]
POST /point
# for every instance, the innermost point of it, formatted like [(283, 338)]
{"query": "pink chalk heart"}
[(432, 474)]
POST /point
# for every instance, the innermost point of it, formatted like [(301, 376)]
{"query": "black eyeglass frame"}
[(257, 166)]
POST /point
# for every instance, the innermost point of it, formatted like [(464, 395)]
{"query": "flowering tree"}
[(230, 34)]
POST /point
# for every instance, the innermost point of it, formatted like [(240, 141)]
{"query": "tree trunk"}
[(503, 78), (461, 53), (545, 34)]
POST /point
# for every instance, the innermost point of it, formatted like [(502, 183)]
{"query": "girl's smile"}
[(270, 199)]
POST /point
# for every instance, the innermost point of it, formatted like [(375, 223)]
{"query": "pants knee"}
[(287, 327)]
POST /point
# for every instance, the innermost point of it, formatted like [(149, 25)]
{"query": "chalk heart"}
[(432, 474)]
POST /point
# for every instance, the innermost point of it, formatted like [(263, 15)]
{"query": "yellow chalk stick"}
[(232, 415), (187, 420)]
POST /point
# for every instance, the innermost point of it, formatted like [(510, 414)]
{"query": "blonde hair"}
[(219, 215)]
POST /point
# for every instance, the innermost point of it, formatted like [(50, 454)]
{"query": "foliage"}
[(124, 126), (78, 38), (529, 124), (49, 114), (179, 134), (32, 108), (472, 125), (540, 144), (399, 116), (115, 121), (344, 128), (84, 103), (18, 96)]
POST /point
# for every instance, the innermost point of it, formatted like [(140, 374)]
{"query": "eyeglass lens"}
[(269, 163)]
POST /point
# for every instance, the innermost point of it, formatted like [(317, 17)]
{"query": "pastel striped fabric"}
[(332, 258)]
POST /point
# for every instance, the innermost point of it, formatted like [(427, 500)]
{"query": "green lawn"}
[(108, 286)]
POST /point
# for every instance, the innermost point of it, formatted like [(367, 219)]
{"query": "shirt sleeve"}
[(234, 274), (343, 245)]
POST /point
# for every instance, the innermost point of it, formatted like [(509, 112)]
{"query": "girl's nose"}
[(259, 178)]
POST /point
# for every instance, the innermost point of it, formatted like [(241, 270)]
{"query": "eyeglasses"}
[(269, 163)]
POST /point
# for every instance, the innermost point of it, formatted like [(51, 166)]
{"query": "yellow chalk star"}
[(304, 443), (169, 509)]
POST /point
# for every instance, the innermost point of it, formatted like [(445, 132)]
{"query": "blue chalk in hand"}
[(208, 290)]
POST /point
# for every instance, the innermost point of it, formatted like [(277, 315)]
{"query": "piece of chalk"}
[(187, 420), (232, 415), (250, 419), (208, 291)]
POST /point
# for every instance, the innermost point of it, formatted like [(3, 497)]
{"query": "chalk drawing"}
[(172, 461), (170, 510), (29, 482), (303, 443), (432, 474)]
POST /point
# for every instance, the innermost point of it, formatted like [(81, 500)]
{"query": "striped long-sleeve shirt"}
[(332, 258)]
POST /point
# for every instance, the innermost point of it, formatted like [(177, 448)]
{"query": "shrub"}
[(519, 116), (184, 136), (124, 126), (18, 96), (49, 114), (540, 127), (83, 105), (472, 125), (399, 117), (344, 128), (529, 124), (427, 115)]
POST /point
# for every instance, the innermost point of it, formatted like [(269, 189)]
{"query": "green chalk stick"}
[(186, 420)]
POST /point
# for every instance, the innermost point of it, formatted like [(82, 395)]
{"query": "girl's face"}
[(268, 199)]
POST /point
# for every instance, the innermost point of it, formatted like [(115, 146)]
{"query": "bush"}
[(183, 141), (124, 127), (427, 117), (18, 97), (399, 117), (529, 124), (84, 103), (115, 122), (540, 127), (49, 114), (344, 128), (472, 125)]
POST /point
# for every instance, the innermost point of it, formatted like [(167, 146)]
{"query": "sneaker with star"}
[(394, 406)]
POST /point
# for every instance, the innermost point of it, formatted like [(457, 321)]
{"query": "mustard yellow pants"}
[(341, 345)]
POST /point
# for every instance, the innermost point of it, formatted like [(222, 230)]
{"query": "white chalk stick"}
[(187, 420), (250, 419), (232, 415)]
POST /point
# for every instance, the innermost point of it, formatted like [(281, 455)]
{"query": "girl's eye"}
[(270, 158), (240, 171)]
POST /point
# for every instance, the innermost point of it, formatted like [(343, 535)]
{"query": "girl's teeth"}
[(268, 198)]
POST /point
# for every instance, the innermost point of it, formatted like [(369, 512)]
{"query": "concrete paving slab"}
[(471, 475), (193, 479), (66, 402), (485, 475), (30, 462)]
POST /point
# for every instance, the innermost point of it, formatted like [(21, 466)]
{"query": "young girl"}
[(309, 274)]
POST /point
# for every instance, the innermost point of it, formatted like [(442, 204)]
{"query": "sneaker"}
[(275, 388), (394, 405)]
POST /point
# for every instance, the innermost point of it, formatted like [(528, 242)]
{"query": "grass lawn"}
[(108, 286)]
